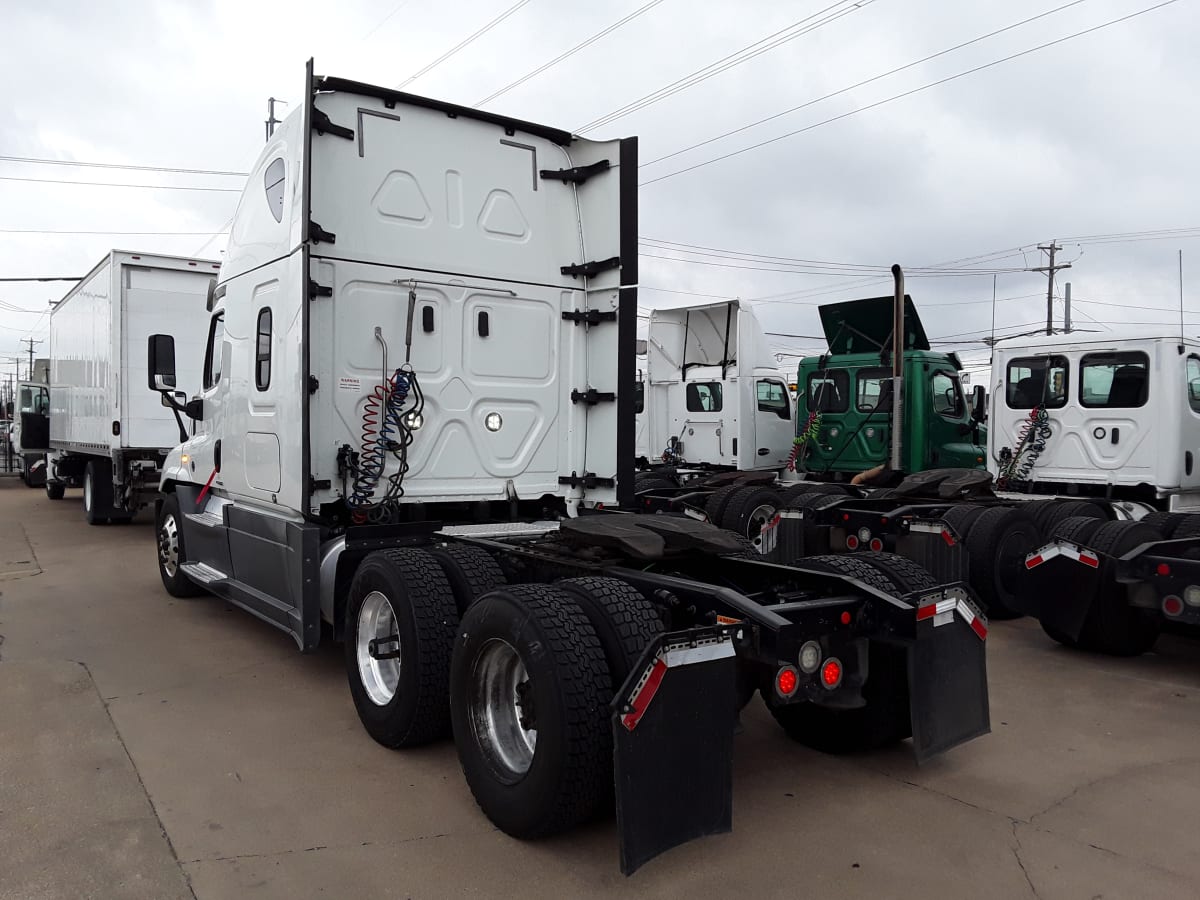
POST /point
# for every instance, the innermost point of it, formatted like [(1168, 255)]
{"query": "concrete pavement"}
[(245, 772)]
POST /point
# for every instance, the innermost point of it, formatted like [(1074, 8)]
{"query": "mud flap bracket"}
[(673, 722)]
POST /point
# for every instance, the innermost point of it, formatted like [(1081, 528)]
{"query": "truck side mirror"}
[(978, 403), (160, 362)]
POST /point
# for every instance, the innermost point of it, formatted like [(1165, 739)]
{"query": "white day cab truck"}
[(1094, 523), (30, 434), (415, 425), (105, 432)]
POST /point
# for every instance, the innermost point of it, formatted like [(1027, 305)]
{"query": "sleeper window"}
[(1193, 382), (273, 182)]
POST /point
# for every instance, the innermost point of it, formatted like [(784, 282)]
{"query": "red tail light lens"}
[(851, 542), (831, 673), (787, 681)]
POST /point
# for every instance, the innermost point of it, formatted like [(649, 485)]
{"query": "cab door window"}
[(947, 395), (772, 397), (212, 356), (1193, 382)]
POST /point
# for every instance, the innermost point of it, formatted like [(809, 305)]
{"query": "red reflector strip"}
[(948, 537), (641, 700), (1033, 561), (979, 628), (927, 611), (1089, 559)]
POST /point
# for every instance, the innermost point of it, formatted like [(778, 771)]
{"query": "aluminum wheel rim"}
[(87, 490), (377, 628), (168, 546), (762, 514), (501, 709)]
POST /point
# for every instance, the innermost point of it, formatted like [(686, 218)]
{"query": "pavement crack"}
[(142, 784), (278, 853), (1110, 776), (1016, 851)]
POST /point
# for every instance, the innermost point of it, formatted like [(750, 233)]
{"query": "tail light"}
[(787, 681), (831, 673)]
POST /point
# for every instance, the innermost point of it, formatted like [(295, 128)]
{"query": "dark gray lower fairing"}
[(271, 564)]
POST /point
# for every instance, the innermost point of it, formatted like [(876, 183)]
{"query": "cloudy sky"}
[(1091, 140)]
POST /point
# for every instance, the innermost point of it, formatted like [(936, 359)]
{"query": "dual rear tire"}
[(532, 669)]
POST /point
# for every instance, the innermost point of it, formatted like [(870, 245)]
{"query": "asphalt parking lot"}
[(160, 748)]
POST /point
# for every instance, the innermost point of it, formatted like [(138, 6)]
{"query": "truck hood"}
[(861, 326)]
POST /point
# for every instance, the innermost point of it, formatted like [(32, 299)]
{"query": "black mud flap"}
[(1060, 588), (947, 675), (673, 724)]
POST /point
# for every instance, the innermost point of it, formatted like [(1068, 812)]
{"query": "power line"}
[(134, 168), (386, 18), (462, 44), (855, 273), (157, 187), (750, 51), (115, 233), (863, 83), (907, 93), (745, 256), (580, 46)]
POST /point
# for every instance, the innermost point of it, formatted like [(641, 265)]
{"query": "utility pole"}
[(271, 120), (1067, 304), (1050, 248), (31, 342)]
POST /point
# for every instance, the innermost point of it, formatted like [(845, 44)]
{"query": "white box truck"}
[(106, 432)]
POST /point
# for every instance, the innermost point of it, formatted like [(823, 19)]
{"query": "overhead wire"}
[(908, 93), (863, 83), (750, 51), (462, 44), (129, 166), (157, 187), (604, 32)]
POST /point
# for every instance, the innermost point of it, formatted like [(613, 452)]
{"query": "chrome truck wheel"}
[(501, 708), (400, 622), (531, 691)]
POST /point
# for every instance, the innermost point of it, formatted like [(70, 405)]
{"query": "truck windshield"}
[(1036, 381)]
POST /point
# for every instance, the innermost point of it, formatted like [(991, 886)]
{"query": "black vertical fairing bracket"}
[(673, 722), (627, 321)]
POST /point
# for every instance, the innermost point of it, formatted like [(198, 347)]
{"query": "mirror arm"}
[(176, 409)]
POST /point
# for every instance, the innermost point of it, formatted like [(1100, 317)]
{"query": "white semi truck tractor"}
[(415, 425)]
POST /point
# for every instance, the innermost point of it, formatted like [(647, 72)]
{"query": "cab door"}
[(1114, 394), (774, 426)]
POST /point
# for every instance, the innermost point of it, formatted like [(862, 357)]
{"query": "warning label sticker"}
[(350, 383)]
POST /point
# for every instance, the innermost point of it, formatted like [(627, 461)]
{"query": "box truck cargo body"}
[(107, 432)]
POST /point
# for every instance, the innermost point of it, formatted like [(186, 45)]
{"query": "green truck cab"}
[(844, 404)]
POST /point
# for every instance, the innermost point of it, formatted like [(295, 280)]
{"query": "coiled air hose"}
[(1031, 442)]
